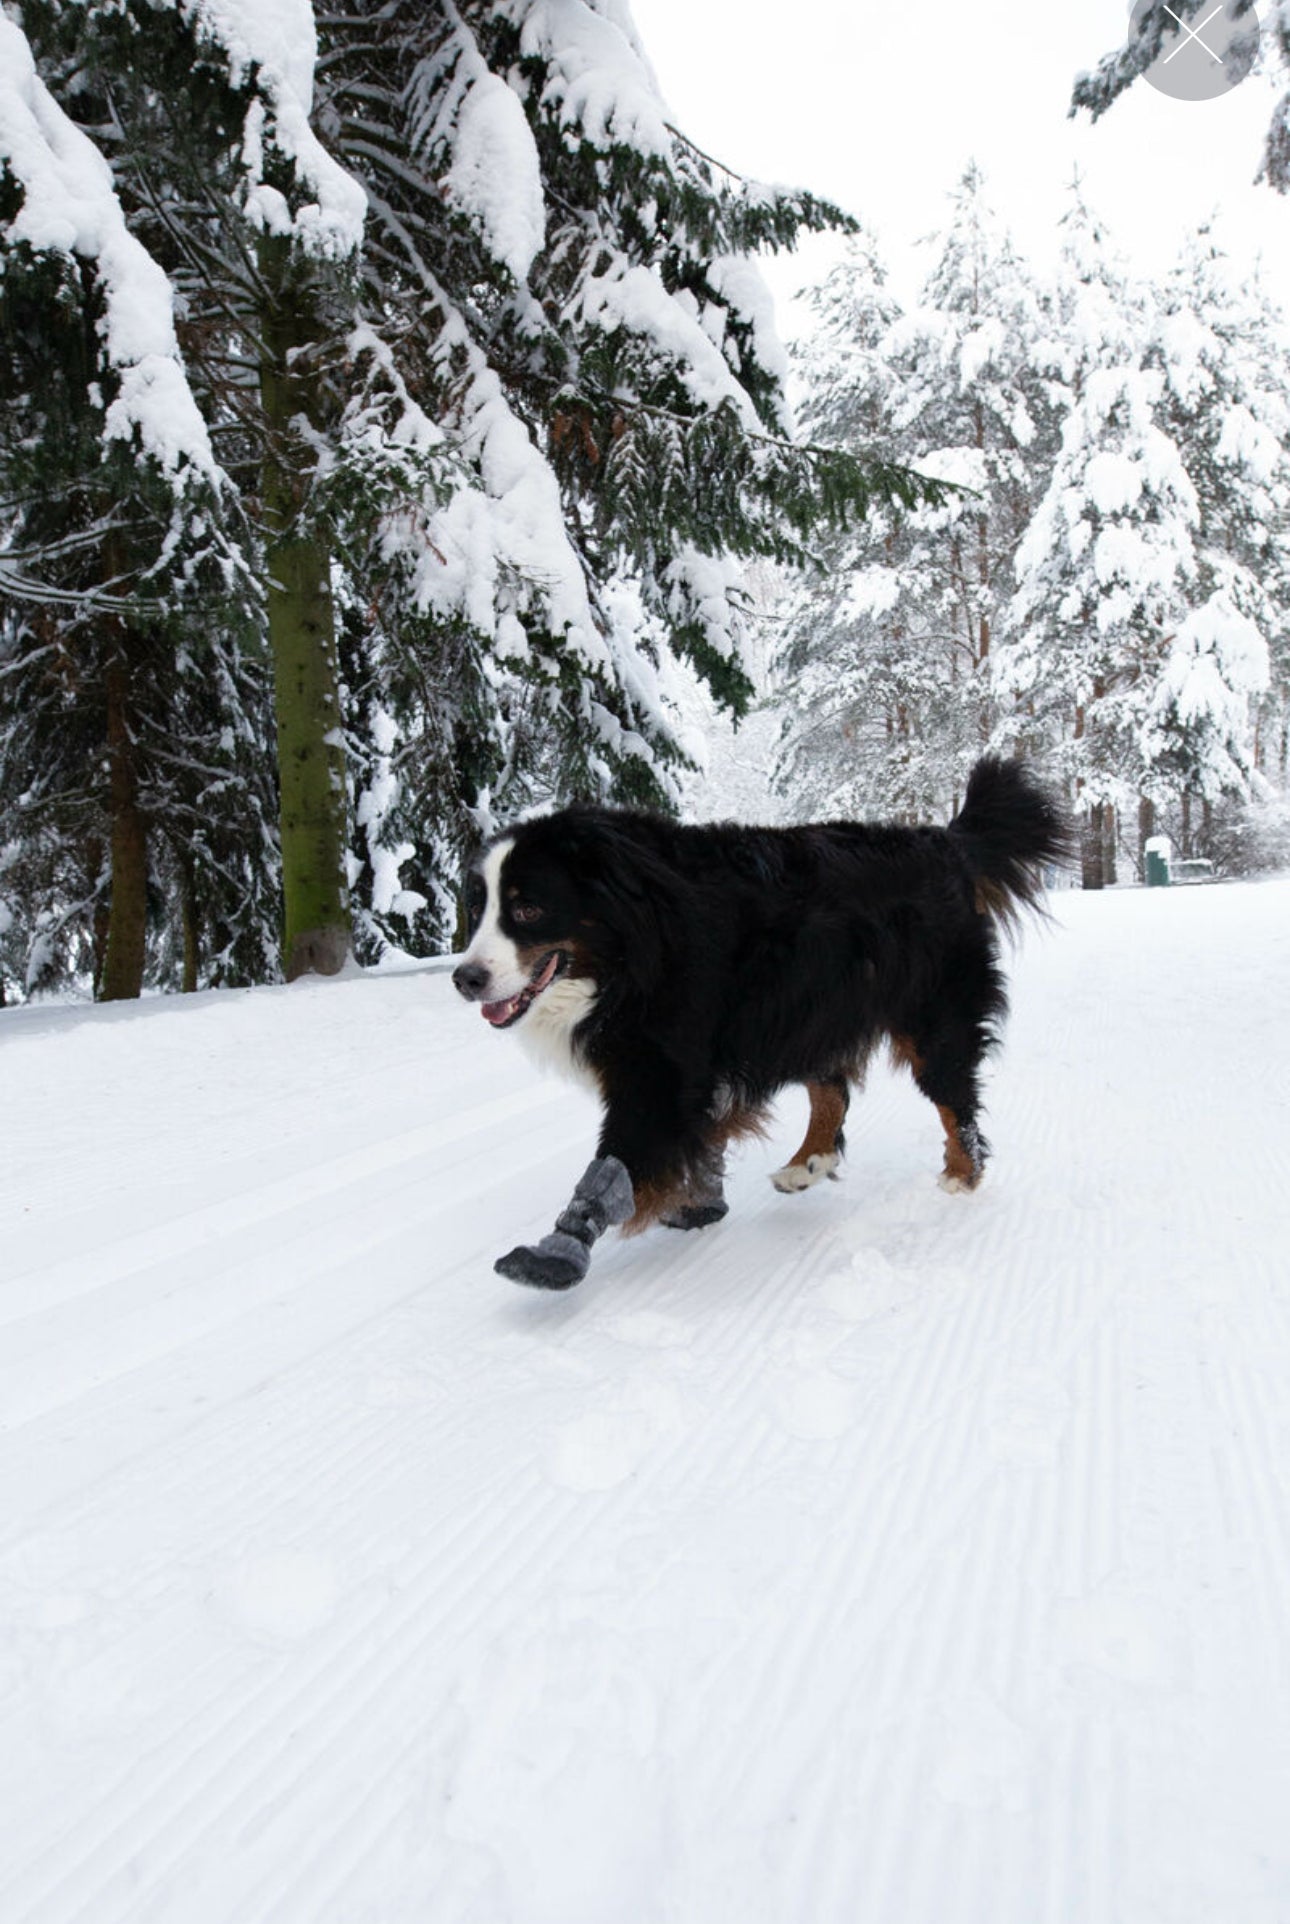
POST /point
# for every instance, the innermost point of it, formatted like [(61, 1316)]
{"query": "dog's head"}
[(578, 896)]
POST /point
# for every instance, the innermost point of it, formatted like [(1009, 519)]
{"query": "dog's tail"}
[(1011, 829)]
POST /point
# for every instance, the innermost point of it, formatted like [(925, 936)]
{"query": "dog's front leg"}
[(603, 1196)]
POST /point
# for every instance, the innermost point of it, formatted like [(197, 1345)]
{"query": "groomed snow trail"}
[(876, 1557)]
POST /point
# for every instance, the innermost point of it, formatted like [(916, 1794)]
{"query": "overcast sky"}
[(879, 106)]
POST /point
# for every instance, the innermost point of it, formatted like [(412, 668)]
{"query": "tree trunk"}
[(99, 920), (123, 959), (1092, 848), (311, 767), (302, 635), (192, 933), (1109, 839)]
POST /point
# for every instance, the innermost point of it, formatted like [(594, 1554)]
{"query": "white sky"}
[(880, 106)]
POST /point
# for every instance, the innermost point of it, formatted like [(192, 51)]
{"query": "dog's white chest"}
[(547, 1030)]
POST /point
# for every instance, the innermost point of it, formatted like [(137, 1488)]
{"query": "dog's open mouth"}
[(503, 1015)]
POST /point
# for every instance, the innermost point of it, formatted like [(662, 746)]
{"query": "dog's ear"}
[(631, 892)]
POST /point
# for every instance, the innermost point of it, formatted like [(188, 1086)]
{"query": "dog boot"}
[(603, 1196), (703, 1202)]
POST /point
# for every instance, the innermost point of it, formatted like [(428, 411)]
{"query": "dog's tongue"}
[(498, 1012), (543, 981)]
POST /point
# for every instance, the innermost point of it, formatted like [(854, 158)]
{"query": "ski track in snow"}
[(876, 1556)]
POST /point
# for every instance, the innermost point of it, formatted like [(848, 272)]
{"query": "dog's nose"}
[(470, 979)]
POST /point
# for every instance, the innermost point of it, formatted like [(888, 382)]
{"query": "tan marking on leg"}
[(905, 1056), (961, 1172), (652, 1200), (818, 1155), (828, 1112), (660, 1198)]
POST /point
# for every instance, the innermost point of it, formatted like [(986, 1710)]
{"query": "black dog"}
[(690, 973)]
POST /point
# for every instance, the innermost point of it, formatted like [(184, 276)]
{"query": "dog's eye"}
[(526, 912)]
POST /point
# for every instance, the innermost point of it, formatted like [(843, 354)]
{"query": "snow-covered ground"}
[(877, 1557)]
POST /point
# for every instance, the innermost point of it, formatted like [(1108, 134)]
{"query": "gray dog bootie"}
[(704, 1200), (603, 1196)]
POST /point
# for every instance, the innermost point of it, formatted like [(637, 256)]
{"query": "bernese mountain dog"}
[(688, 973)]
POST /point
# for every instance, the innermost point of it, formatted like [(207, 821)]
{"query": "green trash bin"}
[(1157, 863)]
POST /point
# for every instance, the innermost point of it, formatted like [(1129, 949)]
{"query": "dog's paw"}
[(959, 1185), (543, 1267), (695, 1215), (796, 1176)]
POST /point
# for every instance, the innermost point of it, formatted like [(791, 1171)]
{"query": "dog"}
[(688, 973)]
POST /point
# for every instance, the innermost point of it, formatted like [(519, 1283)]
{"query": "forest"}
[(395, 437), (1106, 592)]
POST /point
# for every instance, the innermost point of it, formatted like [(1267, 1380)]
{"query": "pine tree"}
[(887, 652), (601, 353), (1226, 408), (117, 543), (1107, 565), (1151, 26), (839, 670), (475, 334)]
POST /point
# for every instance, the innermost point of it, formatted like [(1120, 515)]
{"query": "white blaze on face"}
[(550, 1012), (489, 948)]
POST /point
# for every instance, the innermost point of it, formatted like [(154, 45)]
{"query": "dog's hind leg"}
[(822, 1146), (702, 1201), (946, 1069), (700, 1198)]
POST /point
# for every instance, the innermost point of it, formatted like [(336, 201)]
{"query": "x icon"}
[(1194, 34)]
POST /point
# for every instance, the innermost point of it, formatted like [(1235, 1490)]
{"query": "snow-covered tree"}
[(885, 653), (835, 668), (1153, 24), (602, 353), (1227, 407), (475, 334), (119, 558), (1107, 567)]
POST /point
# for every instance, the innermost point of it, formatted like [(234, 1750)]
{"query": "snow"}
[(1232, 641), (875, 1555), (1249, 446), (1113, 482), (1216, 662), (70, 207), (742, 285), (516, 525), (278, 41), (980, 345), (712, 588), (634, 298), (495, 177), (599, 80)]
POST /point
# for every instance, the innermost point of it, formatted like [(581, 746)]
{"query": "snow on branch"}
[(1148, 33), (70, 207), (495, 178), (275, 44), (599, 81), (1097, 91), (635, 299), (487, 541)]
